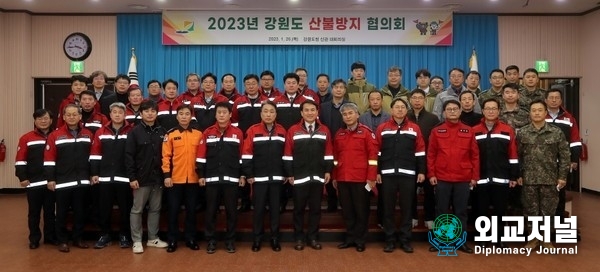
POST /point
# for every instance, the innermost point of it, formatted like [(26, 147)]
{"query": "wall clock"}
[(77, 46)]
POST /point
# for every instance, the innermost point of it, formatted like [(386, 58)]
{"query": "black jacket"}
[(143, 154), (331, 117), (426, 121)]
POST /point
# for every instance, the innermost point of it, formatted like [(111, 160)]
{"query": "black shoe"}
[(407, 248), (34, 245), (389, 247), (299, 245), (466, 249), (275, 245), (314, 244), (346, 245), (211, 247), (171, 247), (103, 242), (124, 241), (245, 207), (191, 244), (433, 249), (360, 247), (80, 244), (63, 247), (230, 247), (256, 246)]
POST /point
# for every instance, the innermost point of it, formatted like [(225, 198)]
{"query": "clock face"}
[(77, 46)]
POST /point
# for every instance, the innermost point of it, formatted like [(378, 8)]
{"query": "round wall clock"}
[(77, 46)]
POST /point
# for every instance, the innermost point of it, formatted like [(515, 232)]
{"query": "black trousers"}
[(379, 204), (38, 198), (428, 201), (354, 199), (332, 196), (263, 193), (213, 195), (244, 195), (560, 208), (458, 192), (73, 197), (394, 187), (309, 193), (108, 193), (494, 194), (186, 194)]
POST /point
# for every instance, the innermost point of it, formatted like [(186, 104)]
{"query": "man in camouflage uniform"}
[(394, 84), (512, 76), (540, 147), (531, 92), (358, 89), (513, 113), (495, 91)]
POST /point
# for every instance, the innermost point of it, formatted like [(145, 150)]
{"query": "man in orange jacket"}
[(179, 168)]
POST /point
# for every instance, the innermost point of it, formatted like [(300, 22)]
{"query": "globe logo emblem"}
[(447, 228)]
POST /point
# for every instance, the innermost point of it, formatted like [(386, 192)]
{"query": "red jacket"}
[(307, 157), (309, 94), (401, 148), (245, 113), (234, 95), (70, 100), (95, 121), (499, 161), (29, 161), (187, 96), (568, 125), (205, 111), (132, 116), (453, 154), (355, 155), (273, 94)]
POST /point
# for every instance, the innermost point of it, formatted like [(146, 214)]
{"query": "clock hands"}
[(75, 46)]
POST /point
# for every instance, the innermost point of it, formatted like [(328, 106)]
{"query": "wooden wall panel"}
[(49, 33), (525, 39), (17, 96)]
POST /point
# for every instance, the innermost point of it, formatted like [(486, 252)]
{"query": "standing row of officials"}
[(287, 144)]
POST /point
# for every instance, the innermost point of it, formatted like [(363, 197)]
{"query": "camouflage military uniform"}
[(490, 93), (526, 97), (430, 99), (358, 92), (539, 151), (403, 93), (517, 118)]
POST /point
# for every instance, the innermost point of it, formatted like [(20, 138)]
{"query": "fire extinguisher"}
[(2, 151), (584, 151)]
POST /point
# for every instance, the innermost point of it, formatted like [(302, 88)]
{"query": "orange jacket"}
[(179, 154)]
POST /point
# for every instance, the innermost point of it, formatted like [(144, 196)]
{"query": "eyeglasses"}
[(452, 109), (417, 97), (490, 109), (193, 80), (46, 118), (436, 82)]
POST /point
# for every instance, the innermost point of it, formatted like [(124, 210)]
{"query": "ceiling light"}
[(139, 7), (294, 1)]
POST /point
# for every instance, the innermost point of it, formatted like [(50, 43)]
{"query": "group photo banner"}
[(398, 27)]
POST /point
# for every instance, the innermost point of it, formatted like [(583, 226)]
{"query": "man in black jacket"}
[(143, 155), (331, 117), (426, 121)]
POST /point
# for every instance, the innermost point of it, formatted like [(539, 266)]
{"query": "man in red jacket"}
[(355, 156), (453, 164)]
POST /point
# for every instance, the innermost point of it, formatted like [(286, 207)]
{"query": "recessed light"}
[(294, 1), (136, 6)]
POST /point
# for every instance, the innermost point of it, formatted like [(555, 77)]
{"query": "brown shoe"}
[(63, 248), (80, 244)]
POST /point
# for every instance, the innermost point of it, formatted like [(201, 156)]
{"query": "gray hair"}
[(117, 105), (349, 106)]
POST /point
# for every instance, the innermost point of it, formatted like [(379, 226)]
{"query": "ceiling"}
[(149, 6)]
